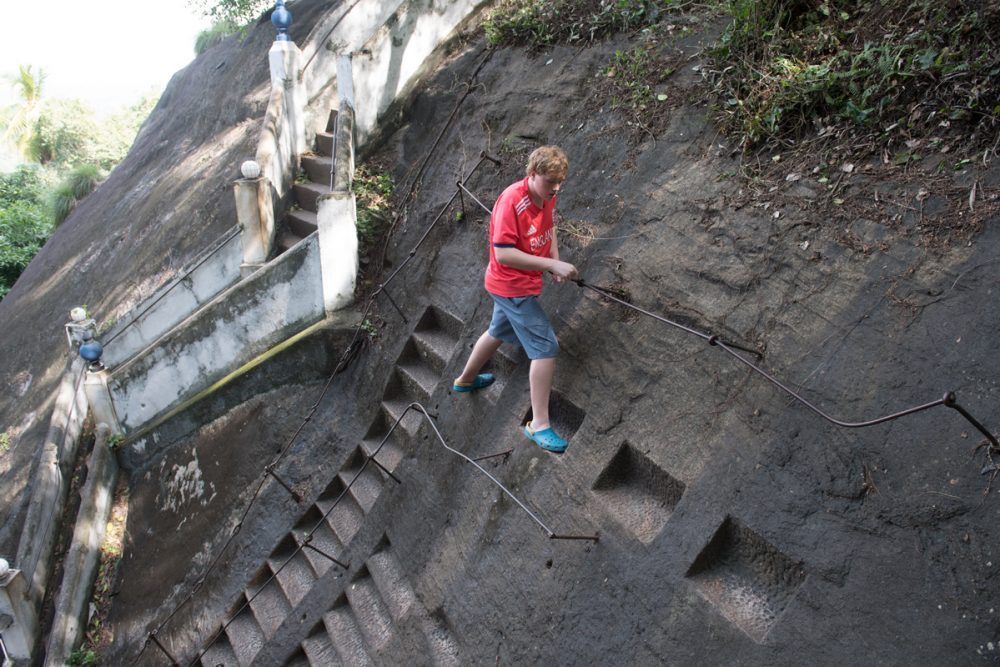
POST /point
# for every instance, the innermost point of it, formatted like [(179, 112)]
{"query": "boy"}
[(523, 247)]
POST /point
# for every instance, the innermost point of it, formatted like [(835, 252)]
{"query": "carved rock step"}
[(364, 482), (346, 517), (219, 653), (319, 549), (346, 635), (418, 380), (245, 635), (434, 348), (371, 611), (295, 576), (395, 408), (269, 605)]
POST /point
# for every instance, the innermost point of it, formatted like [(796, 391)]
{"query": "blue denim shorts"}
[(520, 319)]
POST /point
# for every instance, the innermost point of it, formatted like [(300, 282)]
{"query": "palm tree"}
[(29, 88)]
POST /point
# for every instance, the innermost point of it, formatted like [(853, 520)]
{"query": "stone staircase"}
[(364, 616), (300, 218)]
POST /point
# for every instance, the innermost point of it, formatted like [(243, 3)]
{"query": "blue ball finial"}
[(282, 19), (91, 351)]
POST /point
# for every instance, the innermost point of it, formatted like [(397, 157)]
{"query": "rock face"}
[(736, 526)]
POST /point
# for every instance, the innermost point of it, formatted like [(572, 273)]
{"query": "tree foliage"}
[(232, 12), (20, 126), (24, 222)]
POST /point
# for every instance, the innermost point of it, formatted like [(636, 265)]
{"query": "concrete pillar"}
[(255, 212), (18, 622), (338, 248), (284, 60), (343, 157), (345, 79)]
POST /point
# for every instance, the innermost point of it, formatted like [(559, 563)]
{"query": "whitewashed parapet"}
[(213, 270), (278, 301), (48, 498)]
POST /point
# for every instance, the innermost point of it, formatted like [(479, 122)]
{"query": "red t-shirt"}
[(516, 222)]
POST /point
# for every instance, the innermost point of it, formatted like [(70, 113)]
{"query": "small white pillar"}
[(18, 621), (255, 213), (284, 59)]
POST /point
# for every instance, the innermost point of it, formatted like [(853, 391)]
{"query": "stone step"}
[(346, 518), (395, 590), (301, 222), (285, 240), (323, 540), (245, 635), (295, 575), (317, 168), (319, 650), (219, 653), (268, 602), (346, 635), (442, 647), (307, 192), (390, 455), (371, 611), (394, 409), (364, 482), (324, 143), (434, 348), (417, 379)]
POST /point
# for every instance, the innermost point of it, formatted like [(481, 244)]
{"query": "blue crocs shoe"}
[(546, 438), (482, 380)]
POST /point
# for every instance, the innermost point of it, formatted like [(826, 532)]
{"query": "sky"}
[(106, 54)]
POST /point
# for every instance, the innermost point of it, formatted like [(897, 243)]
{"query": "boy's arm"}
[(518, 259)]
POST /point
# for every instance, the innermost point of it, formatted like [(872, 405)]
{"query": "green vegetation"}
[(98, 637), (794, 70), (79, 183), (635, 76), (374, 193), (206, 39), (24, 221), (538, 23), (4, 442), (59, 142), (238, 13), (81, 658)]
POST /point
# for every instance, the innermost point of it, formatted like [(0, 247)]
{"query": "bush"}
[(79, 183), (215, 35), (373, 193), (24, 225), (537, 23), (782, 66)]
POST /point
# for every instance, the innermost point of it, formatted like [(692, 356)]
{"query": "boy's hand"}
[(563, 271)]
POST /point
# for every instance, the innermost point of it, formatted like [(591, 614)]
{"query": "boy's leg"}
[(482, 351), (540, 381)]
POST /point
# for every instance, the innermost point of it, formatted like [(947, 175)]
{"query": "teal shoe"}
[(547, 439), (482, 380)]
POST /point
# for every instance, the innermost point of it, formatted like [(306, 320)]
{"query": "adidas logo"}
[(531, 229)]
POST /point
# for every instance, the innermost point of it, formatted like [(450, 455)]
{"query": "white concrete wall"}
[(216, 269), (394, 57), (278, 301), (390, 42)]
